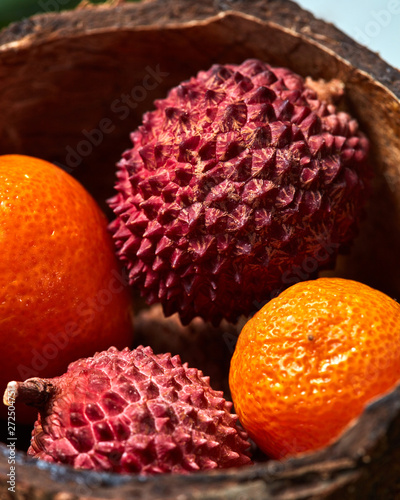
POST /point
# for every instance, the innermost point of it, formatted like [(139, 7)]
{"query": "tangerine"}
[(310, 360), (63, 295)]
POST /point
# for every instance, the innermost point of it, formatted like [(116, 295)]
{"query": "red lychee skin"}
[(137, 412), (240, 183)]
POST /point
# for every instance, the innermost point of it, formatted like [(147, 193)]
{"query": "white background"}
[(373, 23)]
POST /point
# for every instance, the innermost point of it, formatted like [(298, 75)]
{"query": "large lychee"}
[(132, 411), (239, 177)]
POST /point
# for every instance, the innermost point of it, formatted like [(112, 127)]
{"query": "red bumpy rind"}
[(240, 183), (137, 412)]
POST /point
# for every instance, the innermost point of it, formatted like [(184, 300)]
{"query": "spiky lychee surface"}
[(237, 185), (134, 411)]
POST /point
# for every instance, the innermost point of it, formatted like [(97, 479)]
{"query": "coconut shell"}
[(73, 85)]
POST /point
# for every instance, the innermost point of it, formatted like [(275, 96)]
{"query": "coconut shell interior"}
[(73, 85)]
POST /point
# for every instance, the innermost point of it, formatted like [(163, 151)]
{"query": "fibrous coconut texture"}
[(239, 177), (134, 411)]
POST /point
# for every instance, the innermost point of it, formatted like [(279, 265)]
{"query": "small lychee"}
[(132, 411), (237, 177)]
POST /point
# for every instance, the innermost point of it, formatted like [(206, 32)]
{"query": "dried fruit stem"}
[(33, 392)]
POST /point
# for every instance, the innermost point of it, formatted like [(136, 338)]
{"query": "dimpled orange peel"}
[(310, 360), (62, 291)]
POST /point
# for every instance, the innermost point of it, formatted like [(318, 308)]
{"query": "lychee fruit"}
[(239, 183), (132, 411)]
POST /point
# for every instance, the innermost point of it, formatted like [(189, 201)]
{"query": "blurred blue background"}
[(373, 23)]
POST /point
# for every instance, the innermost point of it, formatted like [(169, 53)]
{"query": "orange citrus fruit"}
[(310, 360), (63, 295)]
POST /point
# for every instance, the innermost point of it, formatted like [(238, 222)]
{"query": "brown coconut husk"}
[(64, 79)]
